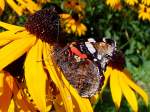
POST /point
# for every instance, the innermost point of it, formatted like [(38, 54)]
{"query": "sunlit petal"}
[(10, 27), (14, 50), (35, 75), (115, 88), (54, 76), (129, 94), (135, 87)]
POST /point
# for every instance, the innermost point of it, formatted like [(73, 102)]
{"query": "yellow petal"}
[(79, 31), (94, 98), (20, 100), (115, 88), (2, 6), (107, 75), (15, 7), (87, 106), (11, 27), (14, 50), (128, 93), (4, 42), (135, 87), (64, 16), (54, 76), (6, 82), (73, 28), (11, 106), (2, 75), (49, 95), (58, 104), (35, 75), (30, 5), (8, 36), (83, 27)]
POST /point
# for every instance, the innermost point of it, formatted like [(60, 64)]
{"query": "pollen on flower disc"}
[(44, 24)]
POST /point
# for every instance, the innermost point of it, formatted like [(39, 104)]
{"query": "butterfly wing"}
[(82, 74)]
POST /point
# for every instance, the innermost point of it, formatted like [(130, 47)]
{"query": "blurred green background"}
[(131, 34)]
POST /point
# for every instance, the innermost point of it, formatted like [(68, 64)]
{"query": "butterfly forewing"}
[(82, 74)]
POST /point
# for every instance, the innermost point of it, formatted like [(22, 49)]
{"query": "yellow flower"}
[(115, 4), (76, 5), (144, 12), (20, 6), (146, 2), (2, 6), (9, 92), (43, 1), (40, 70), (121, 84), (131, 2), (72, 24)]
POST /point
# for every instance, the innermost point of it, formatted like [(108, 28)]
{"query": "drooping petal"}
[(58, 104), (74, 28), (14, 50), (107, 75), (35, 75), (10, 27), (128, 93), (135, 87), (49, 95), (115, 88), (6, 84), (87, 106), (55, 78), (79, 31), (20, 100)]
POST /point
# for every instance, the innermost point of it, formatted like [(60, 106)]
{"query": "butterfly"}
[(84, 63)]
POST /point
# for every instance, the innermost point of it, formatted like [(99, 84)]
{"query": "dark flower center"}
[(118, 60), (45, 24), (75, 16)]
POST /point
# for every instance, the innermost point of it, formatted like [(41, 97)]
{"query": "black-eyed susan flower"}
[(76, 5), (144, 12), (72, 24), (146, 2), (43, 1), (45, 83), (131, 2), (121, 84), (20, 6), (115, 4)]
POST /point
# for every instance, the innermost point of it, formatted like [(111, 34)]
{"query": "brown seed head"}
[(45, 25)]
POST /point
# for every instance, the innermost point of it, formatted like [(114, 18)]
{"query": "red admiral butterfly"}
[(83, 63)]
